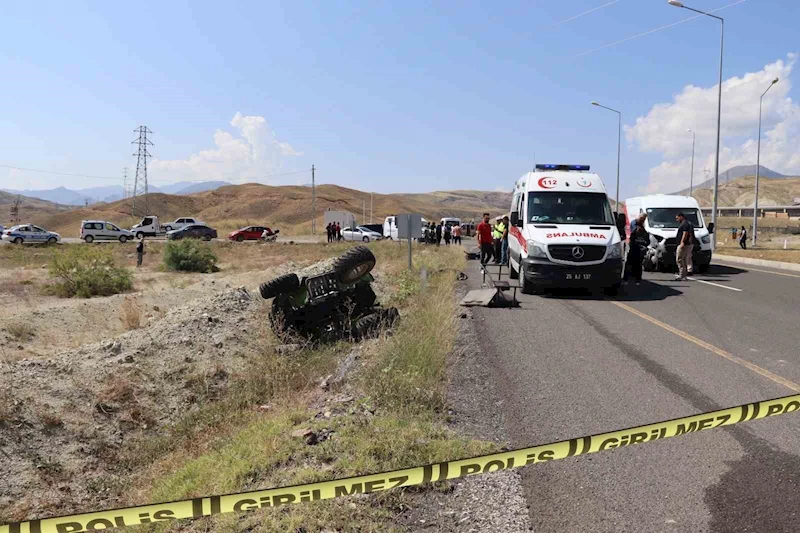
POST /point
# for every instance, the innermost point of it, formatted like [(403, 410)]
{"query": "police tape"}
[(366, 484)]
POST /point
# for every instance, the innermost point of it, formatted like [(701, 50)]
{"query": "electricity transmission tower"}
[(15, 211), (125, 193), (140, 180)]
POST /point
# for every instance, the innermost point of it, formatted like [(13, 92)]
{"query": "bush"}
[(190, 256), (87, 271)]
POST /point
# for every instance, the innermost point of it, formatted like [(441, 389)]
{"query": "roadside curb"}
[(758, 262)]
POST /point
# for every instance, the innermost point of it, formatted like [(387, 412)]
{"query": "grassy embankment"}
[(396, 418)]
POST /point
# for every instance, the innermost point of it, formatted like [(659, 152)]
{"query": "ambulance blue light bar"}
[(562, 167)]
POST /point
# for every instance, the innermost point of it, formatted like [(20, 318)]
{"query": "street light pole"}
[(691, 173), (758, 163), (676, 3), (619, 144)]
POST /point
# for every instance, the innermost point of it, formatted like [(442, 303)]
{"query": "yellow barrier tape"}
[(259, 499)]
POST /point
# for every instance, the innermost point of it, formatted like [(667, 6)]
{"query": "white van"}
[(562, 231), (101, 230), (663, 228), (390, 228), (450, 221)]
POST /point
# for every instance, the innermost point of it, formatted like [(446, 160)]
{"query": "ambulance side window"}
[(521, 208)]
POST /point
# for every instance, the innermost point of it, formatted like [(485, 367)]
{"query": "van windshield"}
[(569, 208), (664, 217)]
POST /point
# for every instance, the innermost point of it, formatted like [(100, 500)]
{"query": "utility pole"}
[(124, 183), (313, 203), (371, 212), (15, 220), (363, 211), (140, 181)]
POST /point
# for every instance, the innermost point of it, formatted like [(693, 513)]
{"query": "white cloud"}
[(663, 129), (253, 152)]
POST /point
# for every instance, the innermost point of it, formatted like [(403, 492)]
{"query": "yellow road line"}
[(713, 349), (748, 267)]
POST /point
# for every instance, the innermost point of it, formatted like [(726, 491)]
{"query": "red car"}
[(250, 233)]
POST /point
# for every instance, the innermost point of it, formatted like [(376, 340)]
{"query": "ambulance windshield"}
[(569, 208)]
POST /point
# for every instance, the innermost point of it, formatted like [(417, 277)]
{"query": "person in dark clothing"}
[(447, 234), (743, 239), (685, 239), (438, 234), (328, 230), (338, 232), (140, 252), (638, 244)]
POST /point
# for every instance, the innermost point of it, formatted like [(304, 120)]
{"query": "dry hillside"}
[(31, 209), (286, 207), (742, 191)]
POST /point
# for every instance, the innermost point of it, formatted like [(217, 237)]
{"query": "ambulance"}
[(562, 231)]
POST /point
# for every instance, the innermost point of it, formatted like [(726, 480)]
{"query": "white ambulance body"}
[(562, 231)]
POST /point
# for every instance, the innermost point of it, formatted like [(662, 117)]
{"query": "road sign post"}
[(409, 226)]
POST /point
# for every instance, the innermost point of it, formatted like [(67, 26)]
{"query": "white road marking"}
[(715, 284)]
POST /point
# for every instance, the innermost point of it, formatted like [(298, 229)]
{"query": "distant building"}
[(345, 219)]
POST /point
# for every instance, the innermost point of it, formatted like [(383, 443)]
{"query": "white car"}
[(182, 223), (28, 233), (360, 233)]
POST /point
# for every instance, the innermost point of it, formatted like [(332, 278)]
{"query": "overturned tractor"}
[(331, 306)]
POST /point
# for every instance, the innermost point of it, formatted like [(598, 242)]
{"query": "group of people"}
[(434, 233), (493, 241), (334, 231), (640, 240)]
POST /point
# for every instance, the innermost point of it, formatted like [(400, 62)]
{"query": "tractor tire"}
[(368, 327), (353, 264), (279, 285), (281, 317)]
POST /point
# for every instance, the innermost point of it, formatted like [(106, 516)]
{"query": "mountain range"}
[(111, 193), (734, 173)]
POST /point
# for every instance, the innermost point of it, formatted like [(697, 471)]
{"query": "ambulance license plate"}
[(578, 276)]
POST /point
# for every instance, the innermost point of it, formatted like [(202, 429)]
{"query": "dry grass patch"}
[(130, 314), (20, 331), (786, 256)]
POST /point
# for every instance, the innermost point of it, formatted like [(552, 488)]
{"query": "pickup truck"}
[(151, 227)]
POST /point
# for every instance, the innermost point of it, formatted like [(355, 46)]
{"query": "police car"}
[(562, 231), (28, 233)]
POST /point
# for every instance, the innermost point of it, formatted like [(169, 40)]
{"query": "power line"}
[(654, 30), (579, 15), (78, 175)]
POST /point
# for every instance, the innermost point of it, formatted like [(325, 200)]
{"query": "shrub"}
[(87, 271), (190, 256), (130, 314)]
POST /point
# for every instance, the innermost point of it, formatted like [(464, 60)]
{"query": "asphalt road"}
[(573, 364)]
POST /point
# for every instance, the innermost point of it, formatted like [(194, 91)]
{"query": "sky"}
[(396, 96)]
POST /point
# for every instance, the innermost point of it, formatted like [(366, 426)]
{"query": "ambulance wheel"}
[(526, 286), (512, 272)]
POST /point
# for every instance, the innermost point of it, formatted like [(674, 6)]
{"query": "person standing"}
[(497, 236), (328, 230), (438, 234), (447, 234), (743, 239), (456, 234), (504, 243), (140, 252), (683, 254), (484, 233), (338, 232), (639, 241)]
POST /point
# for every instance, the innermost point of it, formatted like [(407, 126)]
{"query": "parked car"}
[(28, 233), (100, 230), (249, 233), (360, 233), (182, 223), (195, 231), (2, 229), (148, 227)]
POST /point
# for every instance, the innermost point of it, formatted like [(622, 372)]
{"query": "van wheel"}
[(139, 235), (88, 238)]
